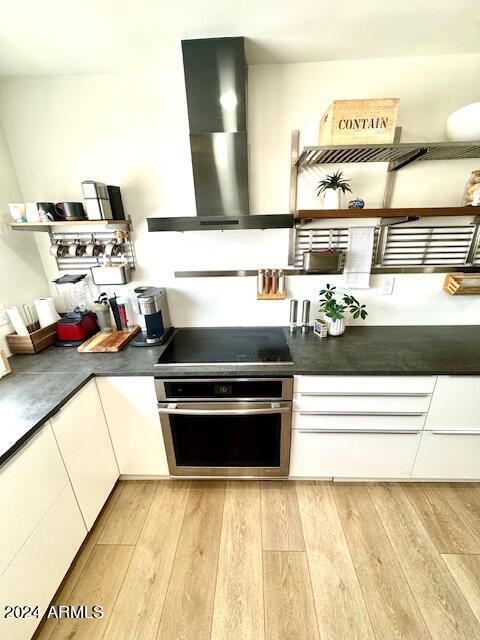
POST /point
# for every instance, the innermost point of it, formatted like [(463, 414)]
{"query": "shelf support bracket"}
[(295, 149)]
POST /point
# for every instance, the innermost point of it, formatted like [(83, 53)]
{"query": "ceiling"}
[(55, 37)]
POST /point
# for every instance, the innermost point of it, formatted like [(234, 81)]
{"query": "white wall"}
[(21, 274), (131, 130)]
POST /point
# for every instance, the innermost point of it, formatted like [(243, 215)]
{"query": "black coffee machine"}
[(152, 305)]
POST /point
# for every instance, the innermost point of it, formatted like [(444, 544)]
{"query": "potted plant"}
[(331, 186), (335, 310)]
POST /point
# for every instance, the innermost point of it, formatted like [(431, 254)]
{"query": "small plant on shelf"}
[(335, 309), (330, 187)]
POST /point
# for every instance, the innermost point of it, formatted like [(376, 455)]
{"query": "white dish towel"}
[(358, 263)]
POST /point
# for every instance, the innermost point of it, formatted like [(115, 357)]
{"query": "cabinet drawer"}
[(448, 455), (38, 569), (361, 404), (357, 455), (30, 482), (309, 421), (364, 384), (455, 403)]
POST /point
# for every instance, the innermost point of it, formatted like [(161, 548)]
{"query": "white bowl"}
[(463, 125)]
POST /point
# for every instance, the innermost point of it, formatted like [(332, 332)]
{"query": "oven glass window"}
[(226, 441)]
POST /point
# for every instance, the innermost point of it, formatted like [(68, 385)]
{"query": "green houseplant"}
[(335, 308), (330, 187)]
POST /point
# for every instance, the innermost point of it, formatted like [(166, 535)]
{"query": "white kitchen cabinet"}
[(448, 454), (455, 403), (353, 455), (362, 404), (382, 422), (41, 564), (84, 442), (361, 385), (130, 406), (358, 426), (30, 482)]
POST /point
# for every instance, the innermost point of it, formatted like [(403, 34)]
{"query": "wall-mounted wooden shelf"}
[(421, 212), (60, 225)]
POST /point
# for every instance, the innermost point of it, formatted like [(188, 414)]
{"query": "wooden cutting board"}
[(108, 342)]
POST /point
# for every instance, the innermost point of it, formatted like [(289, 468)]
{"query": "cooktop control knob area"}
[(223, 389)]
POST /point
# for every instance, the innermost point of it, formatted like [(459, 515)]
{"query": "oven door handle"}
[(171, 409)]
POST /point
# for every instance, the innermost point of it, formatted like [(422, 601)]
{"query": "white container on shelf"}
[(463, 125)]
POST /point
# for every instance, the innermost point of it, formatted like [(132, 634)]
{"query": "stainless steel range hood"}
[(216, 86)]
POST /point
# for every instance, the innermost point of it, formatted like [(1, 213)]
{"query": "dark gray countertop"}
[(40, 384)]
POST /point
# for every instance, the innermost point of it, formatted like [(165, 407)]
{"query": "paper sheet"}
[(358, 262)]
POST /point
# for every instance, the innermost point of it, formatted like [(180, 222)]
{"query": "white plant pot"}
[(331, 199), (335, 327)]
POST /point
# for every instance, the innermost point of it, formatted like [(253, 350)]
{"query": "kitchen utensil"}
[(293, 315), (75, 327), (31, 212), (325, 261), (32, 325), (49, 210), (108, 342), (93, 249), (46, 312), (116, 312), (260, 281), (70, 211), (72, 288), (76, 249), (34, 342), (152, 305), (112, 249), (102, 311), (17, 211), (116, 203), (115, 274), (124, 312), (17, 321), (281, 282), (97, 203), (305, 315)]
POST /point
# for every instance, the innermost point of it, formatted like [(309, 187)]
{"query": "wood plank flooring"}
[(251, 560)]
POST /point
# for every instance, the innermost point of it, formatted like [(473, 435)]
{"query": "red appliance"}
[(75, 327)]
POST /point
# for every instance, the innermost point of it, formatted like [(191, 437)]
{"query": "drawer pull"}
[(364, 394), (455, 432), (362, 413), (381, 431)]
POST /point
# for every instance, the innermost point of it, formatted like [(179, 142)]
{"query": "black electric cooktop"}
[(227, 345)]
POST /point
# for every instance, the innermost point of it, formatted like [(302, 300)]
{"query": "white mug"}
[(17, 211), (32, 213)]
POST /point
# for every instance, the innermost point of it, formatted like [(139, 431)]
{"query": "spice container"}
[(271, 284), (472, 190)]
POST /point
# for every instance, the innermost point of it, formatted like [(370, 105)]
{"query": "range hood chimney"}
[(216, 86)]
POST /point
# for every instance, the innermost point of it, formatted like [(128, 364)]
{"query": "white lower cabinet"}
[(353, 455), (84, 442), (448, 455), (30, 482), (130, 406), (37, 570)]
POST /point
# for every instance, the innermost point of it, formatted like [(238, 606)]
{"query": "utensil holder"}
[(34, 342)]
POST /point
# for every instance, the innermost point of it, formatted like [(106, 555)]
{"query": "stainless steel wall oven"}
[(226, 426)]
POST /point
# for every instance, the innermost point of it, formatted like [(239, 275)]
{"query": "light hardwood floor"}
[(251, 560)]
